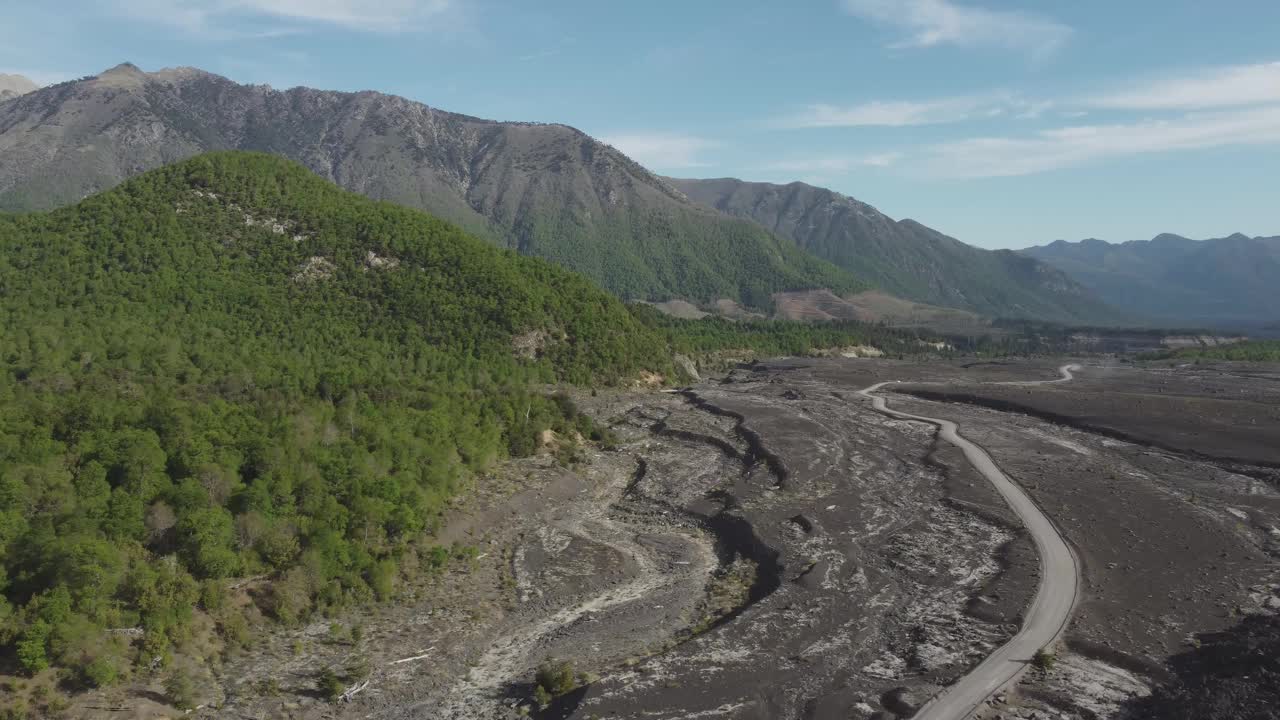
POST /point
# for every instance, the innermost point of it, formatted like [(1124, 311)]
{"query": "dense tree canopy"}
[(230, 367)]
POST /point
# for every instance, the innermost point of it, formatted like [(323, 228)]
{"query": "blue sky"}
[(1002, 123)]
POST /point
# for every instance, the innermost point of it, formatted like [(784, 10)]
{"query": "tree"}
[(31, 647)]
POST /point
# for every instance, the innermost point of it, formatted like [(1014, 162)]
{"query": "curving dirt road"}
[(1051, 608)]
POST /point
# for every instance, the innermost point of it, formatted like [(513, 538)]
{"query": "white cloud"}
[(210, 15), (1080, 145), (831, 164), (1234, 86), (904, 113), (892, 113), (40, 77), (661, 150), (931, 23)]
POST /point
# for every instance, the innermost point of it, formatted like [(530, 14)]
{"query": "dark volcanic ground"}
[(767, 546)]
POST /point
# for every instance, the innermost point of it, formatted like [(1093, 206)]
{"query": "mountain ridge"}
[(904, 257), (1232, 280), (547, 190)]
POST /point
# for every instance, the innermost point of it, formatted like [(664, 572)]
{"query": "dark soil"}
[(1232, 674)]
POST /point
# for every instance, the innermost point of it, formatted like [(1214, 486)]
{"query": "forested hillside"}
[(230, 367), (903, 257)]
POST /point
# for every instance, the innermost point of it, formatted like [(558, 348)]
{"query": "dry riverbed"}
[(767, 546)]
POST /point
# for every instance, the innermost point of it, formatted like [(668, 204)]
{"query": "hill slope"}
[(1232, 281), (545, 190), (904, 257), (232, 363)]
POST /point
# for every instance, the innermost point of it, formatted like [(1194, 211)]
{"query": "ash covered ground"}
[(765, 545)]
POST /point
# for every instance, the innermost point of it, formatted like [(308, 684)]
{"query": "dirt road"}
[(1050, 610)]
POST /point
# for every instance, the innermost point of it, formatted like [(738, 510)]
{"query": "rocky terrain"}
[(765, 545)]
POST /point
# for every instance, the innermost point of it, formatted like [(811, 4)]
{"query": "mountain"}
[(545, 190), (11, 86), (903, 257), (231, 367), (1232, 281)]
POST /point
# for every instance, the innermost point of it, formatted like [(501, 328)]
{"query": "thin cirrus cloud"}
[(662, 150), (907, 113), (1233, 86), (214, 17), (835, 163), (881, 113), (1080, 145), (931, 23)]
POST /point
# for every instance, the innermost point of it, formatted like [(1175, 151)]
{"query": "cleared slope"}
[(545, 190), (904, 257)]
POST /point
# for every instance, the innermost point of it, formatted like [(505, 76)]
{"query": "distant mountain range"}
[(545, 190), (904, 257), (11, 86), (1223, 282)]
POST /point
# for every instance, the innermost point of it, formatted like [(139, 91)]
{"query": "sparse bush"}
[(101, 672), (234, 628), (180, 690), (1044, 659), (329, 684), (556, 677), (358, 669)]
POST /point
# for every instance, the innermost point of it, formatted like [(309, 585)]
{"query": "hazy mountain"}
[(903, 257), (1232, 281), (546, 190), (11, 86)]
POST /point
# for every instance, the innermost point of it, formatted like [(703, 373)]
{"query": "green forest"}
[(230, 368)]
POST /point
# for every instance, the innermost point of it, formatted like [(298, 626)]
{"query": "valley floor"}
[(766, 545)]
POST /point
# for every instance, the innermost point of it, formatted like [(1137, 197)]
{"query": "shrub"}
[(180, 690), (556, 677), (1044, 659), (101, 672), (329, 684)]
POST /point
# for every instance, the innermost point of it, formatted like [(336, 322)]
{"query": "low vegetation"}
[(771, 338), (555, 678), (1249, 351), (1044, 660)]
